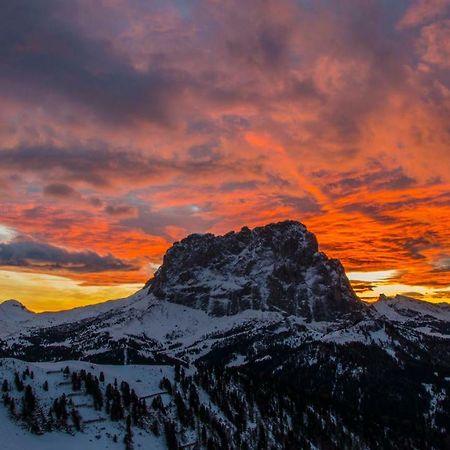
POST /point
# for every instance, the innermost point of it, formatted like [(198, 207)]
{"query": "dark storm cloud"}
[(42, 53), (381, 179), (266, 48), (119, 210), (39, 255), (415, 246), (375, 212), (302, 204), (100, 165), (60, 190), (239, 186)]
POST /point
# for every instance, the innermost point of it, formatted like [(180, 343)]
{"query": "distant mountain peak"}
[(13, 312), (13, 305), (273, 267)]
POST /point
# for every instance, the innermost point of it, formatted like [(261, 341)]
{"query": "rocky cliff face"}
[(276, 267)]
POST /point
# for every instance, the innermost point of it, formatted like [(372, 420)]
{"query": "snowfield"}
[(14, 435)]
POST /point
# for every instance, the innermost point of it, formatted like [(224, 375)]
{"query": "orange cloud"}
[(210, 116)]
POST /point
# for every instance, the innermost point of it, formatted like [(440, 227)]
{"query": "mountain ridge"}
[(275, 266), (211, 291), (377, 375)]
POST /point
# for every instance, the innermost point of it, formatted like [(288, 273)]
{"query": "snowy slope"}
[(15, 317), (94, 436), (404, 309), (427, 318)]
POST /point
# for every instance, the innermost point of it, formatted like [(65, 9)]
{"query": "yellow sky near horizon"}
[(43, 292)]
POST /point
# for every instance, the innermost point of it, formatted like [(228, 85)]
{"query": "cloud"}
[(374, 178), (442, 263), (434, 46), (422, 11), (415, 246), (60, 190), (42, 256), (300, 204), (160, 222), (44, 50), (101, 166), (6, 233), (119, 210)]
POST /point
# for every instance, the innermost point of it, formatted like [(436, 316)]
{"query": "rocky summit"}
[(276, 267)]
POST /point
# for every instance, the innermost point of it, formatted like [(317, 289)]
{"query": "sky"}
[(127, 124)]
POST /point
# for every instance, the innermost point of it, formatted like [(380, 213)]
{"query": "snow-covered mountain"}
[(270, 284), (267, 305), (276, 267)]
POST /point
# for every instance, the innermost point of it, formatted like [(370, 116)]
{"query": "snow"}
[(239, 360), (143, 379), (15, 318), (403, 309)]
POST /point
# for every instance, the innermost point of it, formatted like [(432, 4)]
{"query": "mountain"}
[(264, 317), (276, 267)]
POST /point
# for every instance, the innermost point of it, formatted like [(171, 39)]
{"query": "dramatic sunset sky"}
[(127, 124)]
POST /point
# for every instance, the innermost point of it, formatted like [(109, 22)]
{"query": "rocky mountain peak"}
[(273, 267)]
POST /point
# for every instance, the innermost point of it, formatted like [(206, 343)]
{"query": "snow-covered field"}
[(94, 436)]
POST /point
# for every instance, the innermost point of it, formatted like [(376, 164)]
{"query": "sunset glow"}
[(126, 125)]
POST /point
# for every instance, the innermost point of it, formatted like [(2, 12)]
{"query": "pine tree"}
[(128, 439), (45, 387), (18, 382), (154, 427), (76, 419), (181, 409), (50, 421), (6, 399), (29, 402), (177, 372), (262, 442), (171, 438), (5, 386)]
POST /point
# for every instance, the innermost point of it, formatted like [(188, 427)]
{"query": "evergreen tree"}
[(181, 409), (29, 402), (18, 382), (171, 437), (154, 427), (76, 419), (6, 399), (128, 439)]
